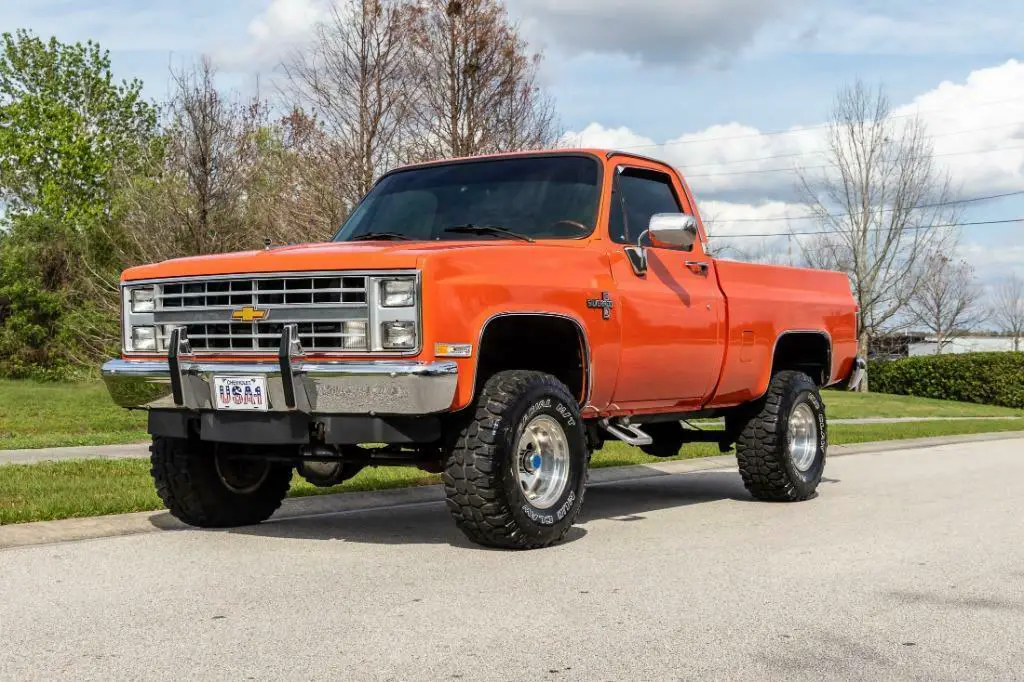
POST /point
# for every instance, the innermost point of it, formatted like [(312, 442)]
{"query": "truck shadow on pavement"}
[(430, 523)]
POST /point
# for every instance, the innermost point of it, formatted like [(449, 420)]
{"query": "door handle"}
[(698, 267)]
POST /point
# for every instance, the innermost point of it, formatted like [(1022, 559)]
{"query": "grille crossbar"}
[(343, 290)]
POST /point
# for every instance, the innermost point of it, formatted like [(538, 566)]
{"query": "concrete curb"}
[(48, 532), (33, 456)]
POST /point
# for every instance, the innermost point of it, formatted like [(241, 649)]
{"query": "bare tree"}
[(947, 300), (314, 196), (479, 89), (878, 206), (1008, 308), (354, 83), (207, 177)]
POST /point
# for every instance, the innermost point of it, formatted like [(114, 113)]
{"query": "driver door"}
[(672, 316)]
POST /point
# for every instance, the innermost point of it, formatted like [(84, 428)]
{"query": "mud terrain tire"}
[(772, 431), (202, 486), (486, 465)]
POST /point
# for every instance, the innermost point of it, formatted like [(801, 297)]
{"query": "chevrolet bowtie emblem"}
[(249, 314), (605, 303)]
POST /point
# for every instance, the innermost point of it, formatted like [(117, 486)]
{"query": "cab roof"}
[(591, 151)]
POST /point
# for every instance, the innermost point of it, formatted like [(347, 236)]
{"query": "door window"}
[(639, 194)]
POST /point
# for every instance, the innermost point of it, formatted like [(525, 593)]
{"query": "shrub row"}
[(986, 378)]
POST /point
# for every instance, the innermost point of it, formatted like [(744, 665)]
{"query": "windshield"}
[(541, 197)]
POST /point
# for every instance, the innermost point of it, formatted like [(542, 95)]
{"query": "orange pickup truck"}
[(492, 319)]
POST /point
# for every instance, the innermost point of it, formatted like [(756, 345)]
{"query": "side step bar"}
[(630, 434)]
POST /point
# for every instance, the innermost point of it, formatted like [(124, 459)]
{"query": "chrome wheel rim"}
[(240, 475), (543, 461), (803, 437)]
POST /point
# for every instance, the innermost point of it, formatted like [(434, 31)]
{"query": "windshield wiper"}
[(470, 228), (381, 235)]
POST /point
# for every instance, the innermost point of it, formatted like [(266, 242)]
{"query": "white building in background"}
[(968, 344)]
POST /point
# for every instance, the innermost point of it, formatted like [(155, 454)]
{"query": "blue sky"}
[(643, 72)]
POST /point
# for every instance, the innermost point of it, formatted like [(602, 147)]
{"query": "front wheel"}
[(516, 474), (783, 440), (208, 485)]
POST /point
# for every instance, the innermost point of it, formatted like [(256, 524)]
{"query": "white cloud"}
[(921, 27), (282, 26), (977, 129), (658, 31), (677, 32), (993, 262)]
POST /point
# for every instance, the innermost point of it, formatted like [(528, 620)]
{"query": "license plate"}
[(240, 393)]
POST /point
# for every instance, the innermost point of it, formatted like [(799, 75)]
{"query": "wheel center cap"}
[(531, 461)]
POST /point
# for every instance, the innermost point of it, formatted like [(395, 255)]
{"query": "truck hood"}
[(310, 257)]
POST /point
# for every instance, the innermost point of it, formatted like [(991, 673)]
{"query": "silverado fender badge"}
[(605, 303)]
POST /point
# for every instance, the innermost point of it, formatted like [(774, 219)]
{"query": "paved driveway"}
[(909, 564)]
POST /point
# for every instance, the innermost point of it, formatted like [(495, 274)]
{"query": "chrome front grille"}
[(247, 314), (349, 290)]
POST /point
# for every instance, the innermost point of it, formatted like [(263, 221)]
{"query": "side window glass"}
[(643, 193)]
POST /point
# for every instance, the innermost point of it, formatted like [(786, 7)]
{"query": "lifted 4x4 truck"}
[(494, 319)]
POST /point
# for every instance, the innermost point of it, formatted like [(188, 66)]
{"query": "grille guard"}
[(384, 387)]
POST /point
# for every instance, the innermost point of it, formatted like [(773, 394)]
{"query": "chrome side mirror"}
[(666, 230), (673, 231)]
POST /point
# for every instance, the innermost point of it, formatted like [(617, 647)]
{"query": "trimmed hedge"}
[(985, 378)]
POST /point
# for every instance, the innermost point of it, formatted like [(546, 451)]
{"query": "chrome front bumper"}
[(371, 388)]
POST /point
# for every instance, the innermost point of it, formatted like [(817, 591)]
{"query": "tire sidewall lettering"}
[(812, 399), (819, 413), (565, 416)]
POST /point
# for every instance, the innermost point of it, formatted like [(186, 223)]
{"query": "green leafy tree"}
[(68, 132)]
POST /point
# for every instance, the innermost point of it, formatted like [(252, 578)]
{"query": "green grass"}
[(38, 415), (58, 490), (847, 405)]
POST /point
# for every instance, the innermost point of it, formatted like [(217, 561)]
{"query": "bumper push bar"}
[(293, 383)]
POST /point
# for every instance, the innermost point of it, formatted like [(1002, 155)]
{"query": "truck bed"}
[(766, 301)]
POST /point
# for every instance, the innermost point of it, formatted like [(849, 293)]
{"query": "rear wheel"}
[(210, 485), (783, 439), (516, 474)]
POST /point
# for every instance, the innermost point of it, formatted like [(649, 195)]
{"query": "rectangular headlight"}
[(398, 335), (144, 339), (355, 334), (143, 300), (397, 293)]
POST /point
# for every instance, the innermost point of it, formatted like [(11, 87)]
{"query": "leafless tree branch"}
[(878, 207)]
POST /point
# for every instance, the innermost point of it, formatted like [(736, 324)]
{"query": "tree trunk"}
[(862, 353)]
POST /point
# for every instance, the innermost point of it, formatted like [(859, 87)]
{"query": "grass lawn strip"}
[(95, 487), (39, 415)]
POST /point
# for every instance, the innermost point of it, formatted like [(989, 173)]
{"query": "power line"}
[(823, 152), (871, 229), (832, 165), (939, 204), (792, 131)]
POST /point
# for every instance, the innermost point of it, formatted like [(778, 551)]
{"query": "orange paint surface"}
[(677, 338)]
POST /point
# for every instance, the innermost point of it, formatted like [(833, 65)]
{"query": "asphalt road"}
[(908, 565)]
